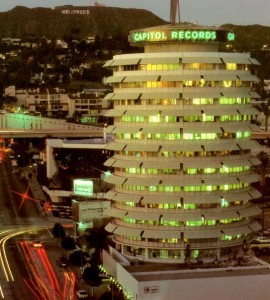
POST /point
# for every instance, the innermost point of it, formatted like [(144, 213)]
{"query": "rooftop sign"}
[(83, 187), (170, 35)]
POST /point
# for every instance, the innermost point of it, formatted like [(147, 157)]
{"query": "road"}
[(25, 272)]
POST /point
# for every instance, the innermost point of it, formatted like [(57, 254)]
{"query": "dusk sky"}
[(205, 12)]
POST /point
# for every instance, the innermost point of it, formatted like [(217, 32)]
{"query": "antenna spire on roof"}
[(175, 6)]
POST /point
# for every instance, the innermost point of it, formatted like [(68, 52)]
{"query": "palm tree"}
[(264, 108), (263, 157), (98, 239)]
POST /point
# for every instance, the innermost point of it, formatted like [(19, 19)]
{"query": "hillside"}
[(53, 23), (250, 37)]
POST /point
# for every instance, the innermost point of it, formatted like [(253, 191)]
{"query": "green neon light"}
[(178, 35), (174, 35)]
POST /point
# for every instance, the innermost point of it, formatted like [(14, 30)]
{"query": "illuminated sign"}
[(83, 187), (181, 35)]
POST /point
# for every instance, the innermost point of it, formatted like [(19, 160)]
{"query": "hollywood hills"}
[(69, 20)]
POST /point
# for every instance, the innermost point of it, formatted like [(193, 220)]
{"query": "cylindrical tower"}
[(182, 145)]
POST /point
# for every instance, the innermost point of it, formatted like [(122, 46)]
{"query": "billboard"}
[(83, 187)]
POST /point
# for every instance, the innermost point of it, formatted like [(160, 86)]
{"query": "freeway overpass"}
[(14, 125)]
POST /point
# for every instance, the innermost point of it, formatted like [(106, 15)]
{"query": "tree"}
[(77, 258), (264, 108), (58, 231), (91, 277), (263, 156), (68, 243), (97, 238)]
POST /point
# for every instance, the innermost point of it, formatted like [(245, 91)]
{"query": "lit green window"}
[(238, 135), (226, 238), (168, 189), (209, 170), (132, 170), (247, 134), (154, 119), (194, 223), (130, 204), (224, 169), (164, 254), (127, 136), (208, 118), (128, 220), (192, 171), (170, 119), (189, 206), (152, 171), (152, 188), (224, 203), (188, 136)]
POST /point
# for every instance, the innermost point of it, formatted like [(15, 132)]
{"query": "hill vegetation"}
[(52, 23)]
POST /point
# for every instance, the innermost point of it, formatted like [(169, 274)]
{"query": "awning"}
[(249, 211), (114, 113), (127, 197), (139, 78), (220, 77), (108, 96), (115, 146), (255, 194), (180, 77), (127, 164), (116, 213), (201, 128), (116, 179), (160, 129), (143, 113), (109, 162), (142, 147), (110, 227), (161, 164), (129, 96), (127, 231), (127, 129), (108, 63), (249, 178), (162, 234), (249, 78), (200, 163), (125, 61), (201, 234), (160, 60), (143, 215), (156, 199), (142, 181), (190, 93), (110, 195), (187, 146), (202, 59), (254, 61), (161, 94), (237, 59), (255, 227), (171, 112), (237, 230), (114, 79)]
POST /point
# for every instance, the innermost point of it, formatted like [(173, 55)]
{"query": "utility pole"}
[(175, 6)]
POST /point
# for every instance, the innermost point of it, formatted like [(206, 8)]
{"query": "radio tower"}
[(174, 8)]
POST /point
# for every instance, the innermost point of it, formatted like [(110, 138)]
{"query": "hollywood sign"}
[(75, 11)]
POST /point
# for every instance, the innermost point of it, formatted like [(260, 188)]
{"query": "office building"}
[(182, 148)]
